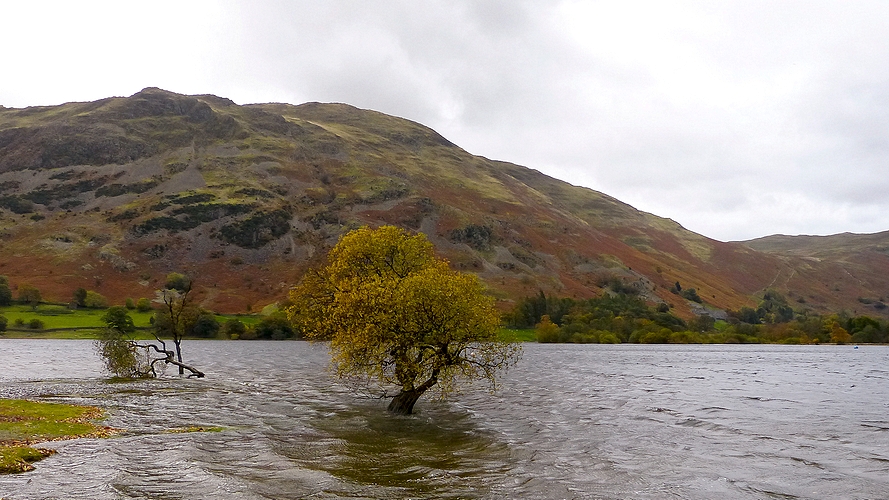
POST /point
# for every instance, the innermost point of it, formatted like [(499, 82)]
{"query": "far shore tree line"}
[(196, 322), (624, 317), (615, 317)]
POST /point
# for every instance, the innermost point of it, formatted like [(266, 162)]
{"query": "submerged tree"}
[(126, 357), (122, 356), (397, 316), (174, 317)]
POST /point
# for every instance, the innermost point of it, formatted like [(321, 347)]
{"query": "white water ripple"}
[(571, 421)]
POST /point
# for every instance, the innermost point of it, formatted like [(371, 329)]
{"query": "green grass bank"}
[(24, 423)]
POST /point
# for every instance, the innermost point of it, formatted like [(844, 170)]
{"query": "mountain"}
[(838, 246), (112, 195), (852, 269)]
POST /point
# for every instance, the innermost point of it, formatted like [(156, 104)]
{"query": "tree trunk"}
[(182, 366), (169, 359), (179, 359), (403, 402)]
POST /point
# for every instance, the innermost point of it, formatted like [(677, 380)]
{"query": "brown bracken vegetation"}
[(113, 195)]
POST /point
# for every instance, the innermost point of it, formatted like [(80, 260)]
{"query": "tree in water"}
[(122, 356), (398, 317), (126, 357), (174, 317)]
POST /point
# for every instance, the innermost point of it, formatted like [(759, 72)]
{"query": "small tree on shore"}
[(5, 292), (95, 300), (29, 295), (546, 330), (838, 334), (143, 305), (233, 328), (398, 317), (79, 298)]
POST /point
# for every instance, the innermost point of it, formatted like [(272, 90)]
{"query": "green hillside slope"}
[(112, 195)]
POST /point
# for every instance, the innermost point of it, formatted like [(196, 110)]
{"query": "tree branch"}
[(169, 359)]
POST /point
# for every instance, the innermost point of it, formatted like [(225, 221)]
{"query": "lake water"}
[(570, 421)]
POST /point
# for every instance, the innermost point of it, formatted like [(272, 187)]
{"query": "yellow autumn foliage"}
[(397, 315)]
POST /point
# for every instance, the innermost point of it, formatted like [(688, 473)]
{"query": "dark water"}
[(573, 421)]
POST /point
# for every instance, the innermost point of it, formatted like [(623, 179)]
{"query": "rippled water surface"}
[(570, 421)]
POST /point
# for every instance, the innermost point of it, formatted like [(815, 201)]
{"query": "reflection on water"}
[(589, 421), (438, 454)]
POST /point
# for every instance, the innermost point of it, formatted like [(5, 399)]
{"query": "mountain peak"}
[(114, 194)]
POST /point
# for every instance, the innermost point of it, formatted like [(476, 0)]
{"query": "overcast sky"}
[(735, 119)]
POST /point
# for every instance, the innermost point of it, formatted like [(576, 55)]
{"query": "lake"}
[(569, 421)]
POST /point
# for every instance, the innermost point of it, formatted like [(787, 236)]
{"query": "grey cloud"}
[(737, 119)]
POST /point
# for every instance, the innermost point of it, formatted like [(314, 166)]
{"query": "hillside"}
[(112, 195), (853, 266), (843, 245)]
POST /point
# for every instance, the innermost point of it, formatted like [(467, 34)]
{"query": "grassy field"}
[(79, 334), (23, 423), (59, 322), (518, 335), (58, 316)]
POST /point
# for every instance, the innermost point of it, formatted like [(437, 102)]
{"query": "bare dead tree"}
[(127, 357), (174, 298)]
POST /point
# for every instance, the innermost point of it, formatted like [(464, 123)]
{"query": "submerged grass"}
[(194, 428), (14, 459), (24, 422)]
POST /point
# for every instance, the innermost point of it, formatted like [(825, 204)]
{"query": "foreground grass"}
[(15, 459), (194, 428), (23, 423)]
